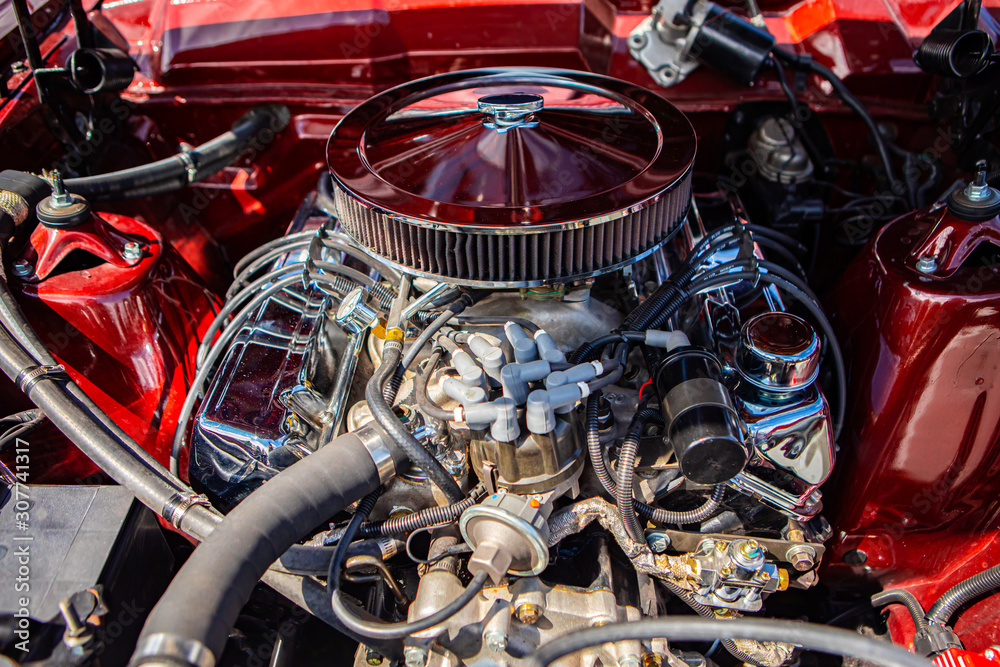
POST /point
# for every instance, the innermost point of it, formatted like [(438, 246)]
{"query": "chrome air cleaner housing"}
[(512, 177)]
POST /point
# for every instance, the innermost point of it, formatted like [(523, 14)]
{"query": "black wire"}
[(33, 419), (378, 630), (848, 98), (809, 636), (784, 279), (424, 402), (796, 118)]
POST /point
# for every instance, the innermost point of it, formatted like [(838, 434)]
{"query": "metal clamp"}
[(32, 375), (189, 166), (178, 505), (164, 648)]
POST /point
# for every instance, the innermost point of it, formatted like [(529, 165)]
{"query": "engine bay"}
[(634, 334)]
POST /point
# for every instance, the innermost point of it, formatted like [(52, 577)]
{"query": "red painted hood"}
[(372, 44)]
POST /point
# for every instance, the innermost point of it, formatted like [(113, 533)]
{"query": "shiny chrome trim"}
[(173, 649)]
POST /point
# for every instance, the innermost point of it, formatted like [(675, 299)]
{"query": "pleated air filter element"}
[(512, 177)]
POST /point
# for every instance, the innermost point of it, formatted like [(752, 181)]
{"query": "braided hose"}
[(697, 515), (963, 592), (432, 516), (594, 449), (654, 514), (623, 496)]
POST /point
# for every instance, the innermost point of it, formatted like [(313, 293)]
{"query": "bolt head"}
[(22, 268), (629, 661), (495, 640), (414, 656), (373, 658), (927, 264), (652, 660), (132, 251), (658, 542), (802, 558), (528, 613)]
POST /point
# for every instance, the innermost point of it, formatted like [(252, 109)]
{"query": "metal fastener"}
[(658, 542), (628, 661), (60, 198), (652, 660), (802, 557), (927, 264), (132, 251), (414, 656), (750, 548), (528, 613), (373, 657), (22, 268), (979, 189), (495, 640)]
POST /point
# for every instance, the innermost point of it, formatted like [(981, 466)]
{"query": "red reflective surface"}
[(915, 489), (596, 146), (127, 335)]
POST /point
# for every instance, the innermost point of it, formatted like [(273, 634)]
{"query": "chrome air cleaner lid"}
[(512, 177)]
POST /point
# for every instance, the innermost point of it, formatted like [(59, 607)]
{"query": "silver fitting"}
[(163, 648), (32, 375), (179, 504)]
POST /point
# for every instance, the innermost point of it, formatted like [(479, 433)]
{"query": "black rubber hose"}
[(852, 102), (649, 311), (592, 350), (425, 518), (314, 560), (809, 636), (28, 341), (377, 630), (963, 592), (687, 598), (387, 419), (148, 481), (256, 128), (204, 599), (491, 321), (424, 402), (607, 480), (905, 598)]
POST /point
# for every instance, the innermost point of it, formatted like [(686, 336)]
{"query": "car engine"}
[(635, 335)]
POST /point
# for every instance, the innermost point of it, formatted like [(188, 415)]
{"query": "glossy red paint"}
[(915, 490), (912, 493), (954, 657), (126, 334), (328, 53), (51, 246)]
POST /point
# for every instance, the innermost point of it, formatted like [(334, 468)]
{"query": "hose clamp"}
[(165, 648), (189, 166), (32, 375), (178, 505), (375, 442)]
